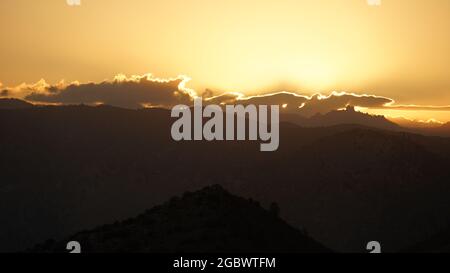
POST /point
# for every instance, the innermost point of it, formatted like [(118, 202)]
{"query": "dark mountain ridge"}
[(207, 221), (438, 243), (71, 168), (338, 117), (14, 104)]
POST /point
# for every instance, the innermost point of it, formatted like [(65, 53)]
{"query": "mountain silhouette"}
[(338, 117), (444, 130), (14, 104), (71, 168), (415, 124), (207, 221), (438, 243), (438, 130)]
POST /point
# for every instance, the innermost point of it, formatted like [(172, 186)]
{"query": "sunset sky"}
[(398, 50)]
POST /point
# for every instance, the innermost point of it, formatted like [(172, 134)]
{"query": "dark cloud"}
[(324, 104), (226, 98), (133, 93), (282, 98), (307, 106)]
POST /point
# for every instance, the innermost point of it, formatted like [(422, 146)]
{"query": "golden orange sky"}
[(399, 50)]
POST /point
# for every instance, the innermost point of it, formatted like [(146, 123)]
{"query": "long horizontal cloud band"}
[(305, 105), (148, 91)]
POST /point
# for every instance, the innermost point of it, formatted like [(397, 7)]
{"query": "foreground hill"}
[(438, 243), (207, 221), (66, 169)]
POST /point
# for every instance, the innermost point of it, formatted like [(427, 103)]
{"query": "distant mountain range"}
[(207, 221), (338, 117), (14, 104), (407, 123), (71, 168), (443, 130), (332, 118)]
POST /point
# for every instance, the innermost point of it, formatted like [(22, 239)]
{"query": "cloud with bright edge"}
[(148, 91)]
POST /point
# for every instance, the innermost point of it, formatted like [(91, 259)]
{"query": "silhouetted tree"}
[(274, 209)]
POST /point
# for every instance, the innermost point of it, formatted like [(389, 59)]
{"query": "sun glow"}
[(398, 50)]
